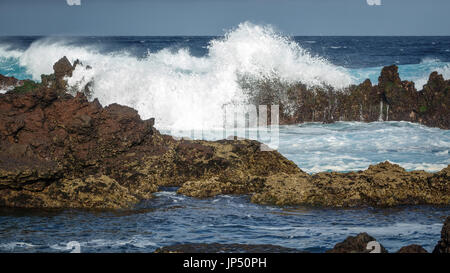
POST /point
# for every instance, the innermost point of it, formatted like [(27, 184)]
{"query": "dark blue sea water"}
[(170, 219), (417, 56), (183, 81)]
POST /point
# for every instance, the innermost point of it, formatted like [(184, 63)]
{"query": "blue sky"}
[(212, 17)]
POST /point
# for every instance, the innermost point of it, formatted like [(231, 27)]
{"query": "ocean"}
[(184, 82)]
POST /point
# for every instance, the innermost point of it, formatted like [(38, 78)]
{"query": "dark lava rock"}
[(443, 246), (412, 249), (63, 68), (59, 150), (391, 100), (225, 248), (357, 244)]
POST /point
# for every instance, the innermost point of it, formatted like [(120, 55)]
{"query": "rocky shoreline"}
[(390, 100), (352, 244), (64, 151)]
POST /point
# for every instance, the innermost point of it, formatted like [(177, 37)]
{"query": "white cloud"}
[(78, 2), (374, 2)]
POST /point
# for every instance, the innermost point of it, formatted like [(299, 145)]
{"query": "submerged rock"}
[(356, 244), (225, 248), (443, 246), (412, 249), (361, 243)]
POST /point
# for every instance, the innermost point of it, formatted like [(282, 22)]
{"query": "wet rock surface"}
[(390, 100), (443, 246), (381, 185)]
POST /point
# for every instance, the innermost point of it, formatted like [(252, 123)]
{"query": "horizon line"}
[(206, 35)]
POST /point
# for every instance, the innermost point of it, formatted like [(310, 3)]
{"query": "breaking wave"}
[(185, 91), (181, 90)]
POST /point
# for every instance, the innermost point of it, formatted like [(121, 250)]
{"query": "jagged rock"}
[(356, 244), (7, 83), (225, 248), (63, 68), (412, 249), (391, 99), (443, 246), (389, 77)]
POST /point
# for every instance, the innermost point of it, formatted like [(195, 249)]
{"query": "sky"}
[(213, 17)]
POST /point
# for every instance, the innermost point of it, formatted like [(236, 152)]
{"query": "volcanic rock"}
[(392, 99)]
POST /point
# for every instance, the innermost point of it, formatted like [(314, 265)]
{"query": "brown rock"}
[(381, 185), (63, 68), (357, 244), (57, 149)]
